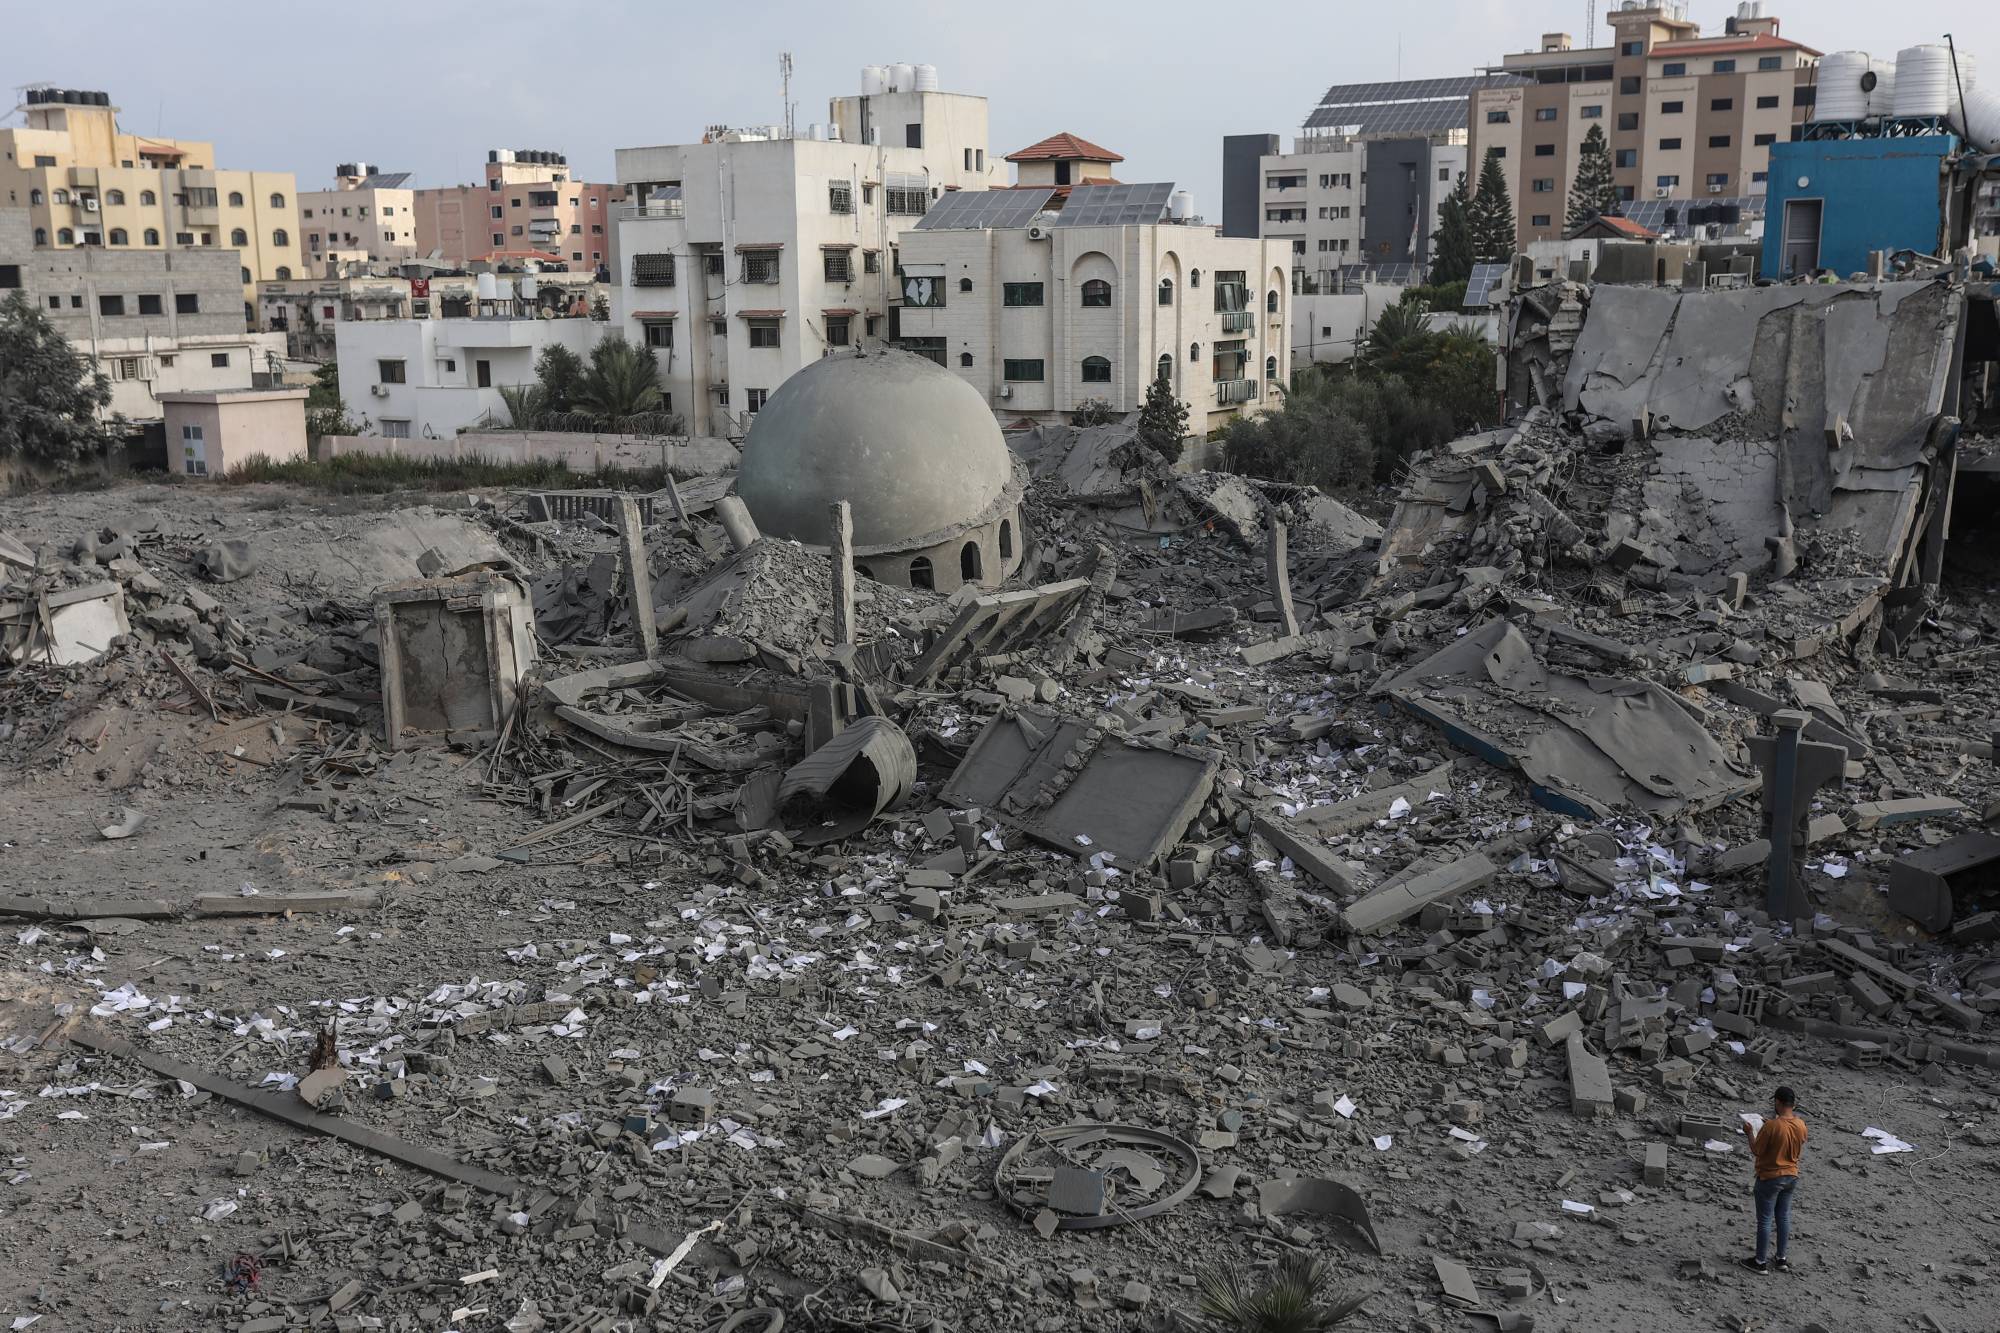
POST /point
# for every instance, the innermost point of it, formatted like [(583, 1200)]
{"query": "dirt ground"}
[(796, 991)]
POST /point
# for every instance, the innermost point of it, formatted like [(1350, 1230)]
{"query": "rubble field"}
[(391, 941)]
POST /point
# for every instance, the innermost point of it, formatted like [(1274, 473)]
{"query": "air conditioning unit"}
[(1664, 192), (1715, 189), (1038, 233), (379, 390), (90, 205), (1006, 391)]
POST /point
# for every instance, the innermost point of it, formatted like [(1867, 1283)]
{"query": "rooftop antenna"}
[(785, 75), (1589, 20)]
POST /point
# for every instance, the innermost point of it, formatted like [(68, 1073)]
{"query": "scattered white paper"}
[(1344, 1108), (1717, 1145), (1384, 1142), (1886, 1142), (1753, 1120), (1572, 1206)]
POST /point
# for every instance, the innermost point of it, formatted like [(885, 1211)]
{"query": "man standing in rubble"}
[(1776, 1147)]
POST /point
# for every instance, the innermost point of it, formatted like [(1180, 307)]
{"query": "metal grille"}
[(652, 270)]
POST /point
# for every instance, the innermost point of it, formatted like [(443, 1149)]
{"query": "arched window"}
[(1166, 370), (236, 198), (41, 236), (1270, 367), (239, 237), (64, 236), (152, 236), (277, 201), (1097, 292), (1006, 539), (118, 236), (1194, 277), (115, 197), (1271, 301), (968, 562), (965, 284), (1166, 291), (62, 196), (1194, 351), (279, 237), (284, 273), (920, 573), (1096, 370), (965, 358), (147, 198), (34, 196)]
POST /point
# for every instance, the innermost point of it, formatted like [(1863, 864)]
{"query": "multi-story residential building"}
[(1690, 119), (528, 207), (155, 321), (1046, 298), (1357, 198), (307, 311), (368, 216), (86, 183), (750, 254), (430, 379)]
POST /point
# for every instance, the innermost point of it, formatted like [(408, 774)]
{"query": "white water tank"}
[(530, 287), (874, 80), (926, 78), (1843, 86), (815, 131), (902, 78), (1924, 83), (1982, 118), (1180, 206), (489, 287), (1882, 97)]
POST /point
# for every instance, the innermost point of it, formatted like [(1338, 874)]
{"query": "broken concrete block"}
[(1875, 814), (1589, 1080), (1655, 1169), (1392, 904)]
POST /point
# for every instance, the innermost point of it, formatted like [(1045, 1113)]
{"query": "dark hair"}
[(1785, 1097)]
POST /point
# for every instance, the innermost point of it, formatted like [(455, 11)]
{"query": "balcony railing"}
[(1235, 391), (1236, 321), (658, 208)]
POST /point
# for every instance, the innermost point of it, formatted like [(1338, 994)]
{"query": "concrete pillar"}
[(638, 578), (841, 548), (1278, 568), (736, 521), (674, 499)]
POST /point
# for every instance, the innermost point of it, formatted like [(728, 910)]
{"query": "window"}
[(1545, 113), (1672, 108), (1669, 145), (1025, 371), (1767, 103), (147, 198), (1674, 69), (1539, 220), (1006, 539), (1097, 292), (718, 326), (390, 372), (239, 238), (1271, 301), (1629, 85), (1498, 118), (193, 461), (1762, 139), (1021, 294), (968, 562), (1724, 67), (246, 275), (760, 266), (839, 197), (920, 573), (711, 263), (913, 135), (110, 305), (754, 399), (1628, 120), (118, 236), (395, 429), (114, 198), (10, 277), (965, 284), (1718, 141), (1721, 104), (1544, 185), (926, 292), (1666, 182), (1545, 150), (219, 360), (1194, 352), (1270, 367), (763, 333), (652, 270), (482, 373), (1166, 291), (187, 303), (1594, 111), (1770, 62), (871, 261), (658, 332), (496, 212), (838, 265), (836, 330), (64, 236), (1631, 48), (1194, 277), (152, 236), (55, 303), (929, 348), (280, 237), (236, 199), (1760, 177), (908, 196), (968, 159), (1096, 370), (44, 160), (1805, 94), (1717, 179), (35, 197), (965, 358), (1625, 157)]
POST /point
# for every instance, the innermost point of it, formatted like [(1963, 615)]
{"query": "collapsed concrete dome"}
[(935, 492)]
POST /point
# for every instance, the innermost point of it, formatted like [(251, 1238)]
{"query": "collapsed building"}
[(1194, 851)]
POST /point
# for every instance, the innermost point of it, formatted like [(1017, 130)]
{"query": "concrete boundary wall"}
[(581, 452)]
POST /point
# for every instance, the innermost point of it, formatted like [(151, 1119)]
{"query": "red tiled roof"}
[(1728, 46), (1065, 145), (1623, 226)]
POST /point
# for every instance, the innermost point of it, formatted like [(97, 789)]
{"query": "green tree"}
[(559, 372), (1094, 412), (326, 414), (51, 397), (1491, 215), (621, 382), (527, 405), (1399, 340), (1163, 420), (1451, 248), (1593, 192)]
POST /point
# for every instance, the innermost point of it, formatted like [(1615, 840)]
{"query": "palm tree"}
[(1291, 1302), (622, 381), (1399, 338), (527, 405)]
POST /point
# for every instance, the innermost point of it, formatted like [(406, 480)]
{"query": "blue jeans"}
[(1774, 1201)]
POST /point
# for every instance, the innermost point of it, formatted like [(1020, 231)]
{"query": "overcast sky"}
[(428, 86)]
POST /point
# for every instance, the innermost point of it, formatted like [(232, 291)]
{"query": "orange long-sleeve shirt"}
[(1778, 1145)]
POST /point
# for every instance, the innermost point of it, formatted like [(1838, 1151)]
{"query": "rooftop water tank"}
[(1180, 207), (1882, 97), (1844, 86), (1924, 83), (874, 80), (902, 77), (926, 78), (489, 287)]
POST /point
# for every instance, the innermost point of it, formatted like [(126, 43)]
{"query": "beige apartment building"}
[(1690, 119), (528, 207), (85, 182), (369, 216)]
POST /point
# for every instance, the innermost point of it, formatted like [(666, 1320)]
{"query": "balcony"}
[(658, 208), (1235, 321), (1235, 391)]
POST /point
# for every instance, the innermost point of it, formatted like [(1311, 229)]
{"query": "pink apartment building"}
[(527, 207)]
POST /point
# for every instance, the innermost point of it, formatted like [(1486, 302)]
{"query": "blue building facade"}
[(1831, 201)]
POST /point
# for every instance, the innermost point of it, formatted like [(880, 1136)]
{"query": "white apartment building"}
[(432, 378), (1046, 299), (367, 216), (754, 252)]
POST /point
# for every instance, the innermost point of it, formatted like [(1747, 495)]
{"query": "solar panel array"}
[(385, 180), (1479, 287), (1392, 275), (1115, 205), (1652, 213), (1414, 106), (977, 210)]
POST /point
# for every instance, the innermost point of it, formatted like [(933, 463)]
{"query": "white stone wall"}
[(441, 394)]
